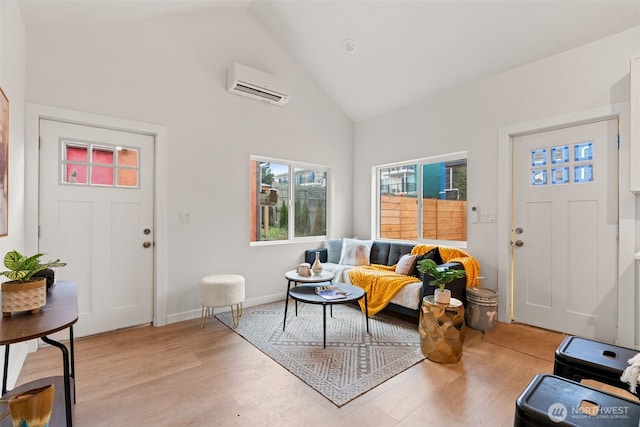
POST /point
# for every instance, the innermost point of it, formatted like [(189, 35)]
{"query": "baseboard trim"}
[(194, 314)]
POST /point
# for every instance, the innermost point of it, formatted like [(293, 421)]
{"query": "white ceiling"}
[(405, 50)]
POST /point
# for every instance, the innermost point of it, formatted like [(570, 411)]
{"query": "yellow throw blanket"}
[(449, 254), (380, 282)]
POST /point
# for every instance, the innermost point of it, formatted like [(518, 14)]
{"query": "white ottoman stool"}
[(221, 290)]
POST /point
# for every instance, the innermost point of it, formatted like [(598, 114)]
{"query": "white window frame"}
[(375, 221), (290, 202), (90, 163)]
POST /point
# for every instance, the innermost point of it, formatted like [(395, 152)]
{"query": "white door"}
[(565, 229), (96, 214)]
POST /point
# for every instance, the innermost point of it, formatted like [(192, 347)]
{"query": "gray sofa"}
[(409, 299)]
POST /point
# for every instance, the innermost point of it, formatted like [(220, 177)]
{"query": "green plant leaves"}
[(440, 277), (22, 268)]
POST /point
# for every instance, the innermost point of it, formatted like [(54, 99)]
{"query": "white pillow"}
[(406, 264), (355, 252)]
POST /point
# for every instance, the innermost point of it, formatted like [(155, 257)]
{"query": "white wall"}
[(13, 83), (173, 73), (468, 118)]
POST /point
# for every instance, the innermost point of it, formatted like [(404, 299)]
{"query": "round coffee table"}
[(293, 277), (306, 292)]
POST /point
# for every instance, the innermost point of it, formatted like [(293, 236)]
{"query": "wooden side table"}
[(60, 313), (441, 330)]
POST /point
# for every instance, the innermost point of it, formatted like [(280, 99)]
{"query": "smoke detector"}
[(349, 46)]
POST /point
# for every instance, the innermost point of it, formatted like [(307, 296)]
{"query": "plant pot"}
[(33, 407), (23, 296), (442, 296)]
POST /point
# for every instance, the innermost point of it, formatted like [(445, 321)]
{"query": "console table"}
[(60, 313)]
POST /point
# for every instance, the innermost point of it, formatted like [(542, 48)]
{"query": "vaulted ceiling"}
[(372, 56)]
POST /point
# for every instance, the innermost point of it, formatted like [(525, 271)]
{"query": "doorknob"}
[(146, 231), (519, 243), (146, 244)]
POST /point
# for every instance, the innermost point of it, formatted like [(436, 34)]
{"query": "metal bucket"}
[(482, 308)]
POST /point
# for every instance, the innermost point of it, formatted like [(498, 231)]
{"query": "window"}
[(423, 200), (581, 164), (288, 200), (97, 165)]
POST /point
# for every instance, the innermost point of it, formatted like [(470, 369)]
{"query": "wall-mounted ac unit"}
[(256, 84)]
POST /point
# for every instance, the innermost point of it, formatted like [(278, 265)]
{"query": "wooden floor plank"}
[(181, 375)]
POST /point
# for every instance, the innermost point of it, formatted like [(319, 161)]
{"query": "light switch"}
[(488, 217)]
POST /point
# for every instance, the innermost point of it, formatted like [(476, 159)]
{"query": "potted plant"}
[(439, 277), (23, 292)]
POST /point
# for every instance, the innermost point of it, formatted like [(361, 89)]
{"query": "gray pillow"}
[(334, 249)]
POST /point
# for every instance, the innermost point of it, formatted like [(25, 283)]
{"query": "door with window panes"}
[(96, 214), (565, 229)]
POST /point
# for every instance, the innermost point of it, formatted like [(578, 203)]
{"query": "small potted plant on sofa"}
[(439, 278), (23, 292)]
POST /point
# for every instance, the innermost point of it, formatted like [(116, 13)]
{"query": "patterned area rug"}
[(353, 363)]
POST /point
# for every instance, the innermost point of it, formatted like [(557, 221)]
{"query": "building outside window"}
[(288, 200), (96, 165), (424, 200)]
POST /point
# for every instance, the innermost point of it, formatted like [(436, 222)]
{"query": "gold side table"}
[(441, 330)]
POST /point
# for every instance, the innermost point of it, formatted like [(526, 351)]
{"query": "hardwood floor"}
[(182, 375)]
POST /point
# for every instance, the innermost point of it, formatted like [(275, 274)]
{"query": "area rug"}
[(353, 362)]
